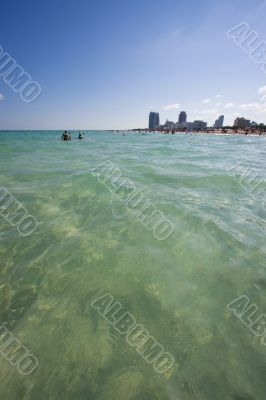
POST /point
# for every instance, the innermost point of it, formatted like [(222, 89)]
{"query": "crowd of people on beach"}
[(229, 131)]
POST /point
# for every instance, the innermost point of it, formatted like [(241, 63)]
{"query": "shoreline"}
[(206, 132)]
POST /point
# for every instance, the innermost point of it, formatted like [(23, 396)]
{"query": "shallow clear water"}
[(87, 244)]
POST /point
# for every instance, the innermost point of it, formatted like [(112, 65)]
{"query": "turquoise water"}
[(87, 244)]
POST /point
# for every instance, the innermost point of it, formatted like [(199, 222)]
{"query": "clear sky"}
[(108, 63)]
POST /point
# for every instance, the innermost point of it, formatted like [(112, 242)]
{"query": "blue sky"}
[(107, 64)]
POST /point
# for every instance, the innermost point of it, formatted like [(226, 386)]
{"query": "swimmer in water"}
[(65, 136)]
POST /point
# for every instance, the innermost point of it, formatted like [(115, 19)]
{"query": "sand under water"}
[(87, 244)]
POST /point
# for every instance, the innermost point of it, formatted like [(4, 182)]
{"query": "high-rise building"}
[(219, 122), (200, 125), (182, 117), (154, 120), (242, 122)]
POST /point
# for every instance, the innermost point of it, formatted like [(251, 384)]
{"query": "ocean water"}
[(88, 244)]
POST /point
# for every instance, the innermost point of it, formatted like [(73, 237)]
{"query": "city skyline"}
[(255, 111), (182, 123), (111, 72)]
